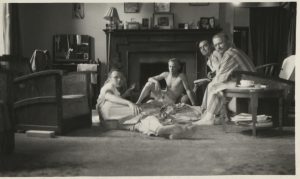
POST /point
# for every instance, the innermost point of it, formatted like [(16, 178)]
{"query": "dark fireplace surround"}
[(144, 53)]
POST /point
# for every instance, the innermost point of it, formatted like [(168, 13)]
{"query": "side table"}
[(254, 93)]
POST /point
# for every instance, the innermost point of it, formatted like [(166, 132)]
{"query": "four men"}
[(222, 61)]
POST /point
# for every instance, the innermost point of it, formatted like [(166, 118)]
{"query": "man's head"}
[(205, 48), (221, 42), (116, 77), (174, 66)]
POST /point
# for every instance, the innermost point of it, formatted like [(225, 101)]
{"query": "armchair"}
[(50, 100), (270, 69)]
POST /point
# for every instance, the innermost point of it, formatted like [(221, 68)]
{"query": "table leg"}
[(254, 104)]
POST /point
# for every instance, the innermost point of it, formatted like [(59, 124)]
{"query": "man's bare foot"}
[(206, 119), (204, 122)]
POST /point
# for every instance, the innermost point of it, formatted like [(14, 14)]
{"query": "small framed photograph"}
[(204, 23), (131, 7), (162, 7), (145, 23), (163, 20), (181, 25), (212, 23)]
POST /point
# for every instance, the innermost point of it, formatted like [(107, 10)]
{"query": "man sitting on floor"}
[(176, 84), (232, 60)]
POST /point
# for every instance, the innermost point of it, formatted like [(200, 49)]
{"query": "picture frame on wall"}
[(162, 7), (204, 23), (163, 20), (78, 11), (131, 7)]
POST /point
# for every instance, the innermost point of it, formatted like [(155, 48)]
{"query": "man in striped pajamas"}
[(232, 60)]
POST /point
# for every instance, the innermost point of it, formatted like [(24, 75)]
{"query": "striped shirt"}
[(213, 61), (233, 60)]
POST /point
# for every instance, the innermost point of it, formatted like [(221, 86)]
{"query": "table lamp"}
[(113, 17)]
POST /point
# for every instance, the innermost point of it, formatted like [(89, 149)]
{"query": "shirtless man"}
[(176, 84)]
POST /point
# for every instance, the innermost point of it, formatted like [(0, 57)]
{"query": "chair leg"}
[(7, 136)]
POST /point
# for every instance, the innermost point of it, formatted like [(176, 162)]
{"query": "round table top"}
[(246, 91)]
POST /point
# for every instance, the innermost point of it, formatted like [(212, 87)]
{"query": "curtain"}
[(269, 28), (9, 29), (292, 33)]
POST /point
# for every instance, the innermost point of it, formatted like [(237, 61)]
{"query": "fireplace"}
[(141, 66), (150, 69), (145, 53)]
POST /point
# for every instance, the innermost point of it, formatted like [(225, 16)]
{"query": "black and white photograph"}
[(148, 89)]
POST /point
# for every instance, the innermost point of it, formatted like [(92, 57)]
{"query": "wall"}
[(241, 16), (40, 21)]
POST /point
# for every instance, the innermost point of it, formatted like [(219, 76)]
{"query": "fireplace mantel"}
[(124, 46)]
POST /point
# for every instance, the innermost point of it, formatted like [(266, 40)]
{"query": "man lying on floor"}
[(150, 118)]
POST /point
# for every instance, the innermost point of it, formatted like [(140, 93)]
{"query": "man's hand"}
[(157, 86), (135, 109), (218, 87), (132, 87), (211, 74)]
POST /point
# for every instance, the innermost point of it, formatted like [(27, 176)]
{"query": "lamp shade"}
[(112, 15)]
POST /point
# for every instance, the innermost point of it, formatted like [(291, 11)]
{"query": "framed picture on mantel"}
[(163, 20)]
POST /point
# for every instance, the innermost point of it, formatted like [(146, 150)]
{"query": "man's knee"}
[(149, 85)]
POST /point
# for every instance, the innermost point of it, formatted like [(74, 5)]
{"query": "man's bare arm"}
[(188, 90), (156, 79), (159, 77)]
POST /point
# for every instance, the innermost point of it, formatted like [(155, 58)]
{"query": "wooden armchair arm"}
[(270, 69), (45, 83), (38, 75)]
